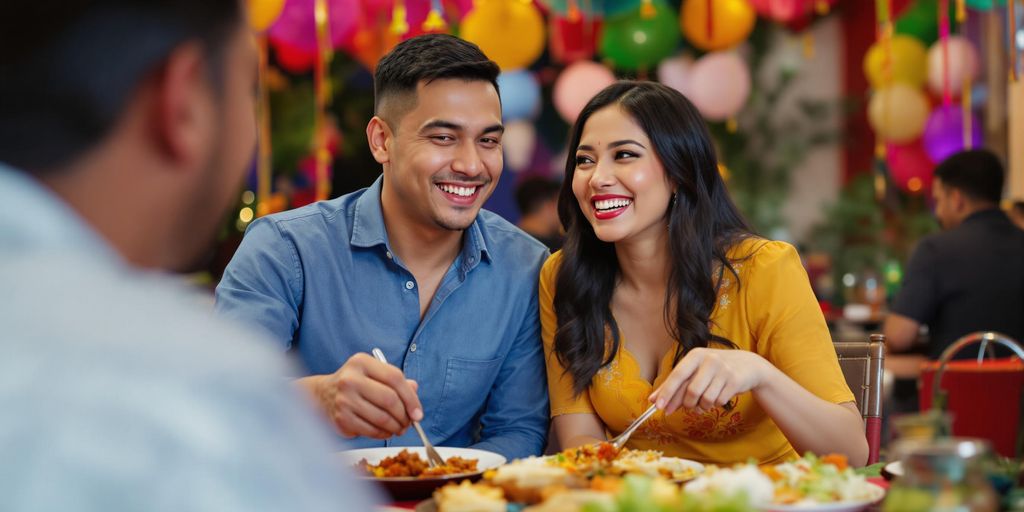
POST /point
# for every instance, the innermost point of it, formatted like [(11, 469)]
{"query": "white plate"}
[(406, 487), (844, 506)]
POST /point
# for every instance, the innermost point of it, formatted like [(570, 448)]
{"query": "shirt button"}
[(472, 259), (388, 254), (409, 285), (412, 348)]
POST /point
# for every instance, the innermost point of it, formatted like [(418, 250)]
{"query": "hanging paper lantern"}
[(719, 85), (510, 32), (944, 132), (518, 143), (635, 42), (263, 13), (908, 62), (577, 84), (571, 41), (910, 167), (297, 27), (962, 63), (676, 72), (293, 59), (898, 113), (730, 24), (520, 95)]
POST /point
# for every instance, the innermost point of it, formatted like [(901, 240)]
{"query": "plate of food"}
[(404, 472), (809, 484)]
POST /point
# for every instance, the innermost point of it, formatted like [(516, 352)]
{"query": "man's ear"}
[(378, 134), (182, 114)]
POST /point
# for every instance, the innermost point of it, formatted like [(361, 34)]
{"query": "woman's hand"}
[(707, 378)]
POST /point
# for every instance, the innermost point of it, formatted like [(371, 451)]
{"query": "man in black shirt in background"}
[(970, 277)]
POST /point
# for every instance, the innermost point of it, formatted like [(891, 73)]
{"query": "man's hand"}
[(367, 398)]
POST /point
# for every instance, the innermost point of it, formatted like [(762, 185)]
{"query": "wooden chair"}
[(861, 363)]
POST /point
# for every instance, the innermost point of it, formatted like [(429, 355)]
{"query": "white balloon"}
[(963, 62), (720, 85), (518, 142), (675, 72)]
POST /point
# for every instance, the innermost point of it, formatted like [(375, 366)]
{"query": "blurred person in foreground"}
[(537, 199), (969, 277), (125, 129), (663, 295), (411, 265)]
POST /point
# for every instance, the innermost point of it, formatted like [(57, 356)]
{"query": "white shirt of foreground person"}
[(120, 392)]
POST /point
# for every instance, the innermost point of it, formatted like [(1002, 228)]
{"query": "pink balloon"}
[(578, 83), (297, 27), (910, 167), (962, 63), (675, 72), (719, 85)]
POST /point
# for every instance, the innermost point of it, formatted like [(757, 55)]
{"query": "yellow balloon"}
[(898, 113), (510, 32), (263, 13), (731, 23), (908, 64)]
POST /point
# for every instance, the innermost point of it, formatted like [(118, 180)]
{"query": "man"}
[(410, 265), (125, 129), (537, 199), (969, 277)]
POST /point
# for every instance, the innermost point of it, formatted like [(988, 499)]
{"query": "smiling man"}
[(411, 265)]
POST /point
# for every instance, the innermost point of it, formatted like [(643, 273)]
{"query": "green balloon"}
[(921, 20), (632, 43), (984, 5)]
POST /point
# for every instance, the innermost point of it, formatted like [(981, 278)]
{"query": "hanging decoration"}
[(634, 43), (960, 66), (901, 59), (716, 25), (297, 25), (898, 113), (578, 83), (263, 13), (910, 167), (944, 133), (719, 85), (510, 32), (322, 92), (573, 39)]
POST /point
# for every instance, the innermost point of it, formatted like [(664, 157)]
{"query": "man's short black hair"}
[(977, 173), (427, 58), (533, 192), (68, 67)]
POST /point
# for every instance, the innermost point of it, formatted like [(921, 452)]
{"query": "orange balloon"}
[(731, 23), (370, 44), (263, 13)]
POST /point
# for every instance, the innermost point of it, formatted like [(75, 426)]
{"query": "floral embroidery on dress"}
[(610, 373), (724, 301), (657, 431), (712, 425)]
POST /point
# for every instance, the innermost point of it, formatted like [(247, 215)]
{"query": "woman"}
[(662, 295)]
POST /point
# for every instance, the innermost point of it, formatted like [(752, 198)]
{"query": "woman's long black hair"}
[(703, 224)]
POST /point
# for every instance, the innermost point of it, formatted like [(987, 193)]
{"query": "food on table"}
[(409, 464), (467, 497)]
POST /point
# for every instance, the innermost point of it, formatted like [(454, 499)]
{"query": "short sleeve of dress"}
[(787, 323)]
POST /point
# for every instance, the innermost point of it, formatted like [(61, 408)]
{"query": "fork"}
[(433, 458), (619, 441)]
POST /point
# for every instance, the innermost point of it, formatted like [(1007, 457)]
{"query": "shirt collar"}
[(368, 228), (32, 217), (987, 213)]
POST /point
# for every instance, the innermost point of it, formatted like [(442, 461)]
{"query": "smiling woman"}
[(663, 294)]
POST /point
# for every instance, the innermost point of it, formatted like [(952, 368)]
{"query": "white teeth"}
[(459, 191), (611, 204)]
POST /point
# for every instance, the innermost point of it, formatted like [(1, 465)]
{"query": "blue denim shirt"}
[(323, 280)]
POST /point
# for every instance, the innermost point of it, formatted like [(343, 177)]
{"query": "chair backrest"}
[(861, 362)]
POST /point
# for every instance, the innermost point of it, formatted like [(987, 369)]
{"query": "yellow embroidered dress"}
[(774, 313)]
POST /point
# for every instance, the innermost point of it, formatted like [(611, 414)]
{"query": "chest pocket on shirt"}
[(467, 383)]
